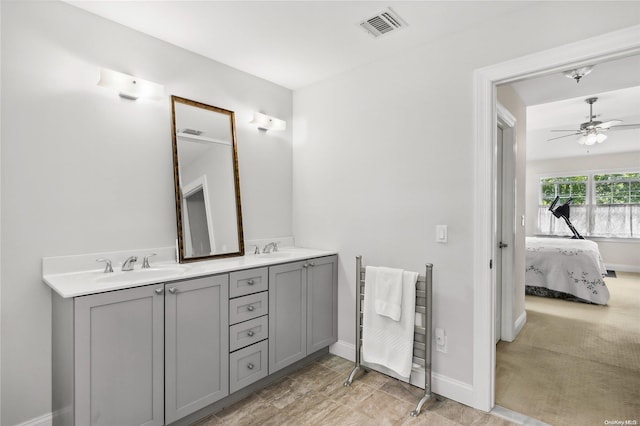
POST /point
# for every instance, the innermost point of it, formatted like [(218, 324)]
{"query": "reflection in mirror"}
[(206, 181)]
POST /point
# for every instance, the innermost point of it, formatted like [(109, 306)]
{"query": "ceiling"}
[(294, 43), (557, 102), (298, 43)]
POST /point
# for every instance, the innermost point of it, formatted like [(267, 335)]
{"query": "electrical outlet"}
[(441, 340)]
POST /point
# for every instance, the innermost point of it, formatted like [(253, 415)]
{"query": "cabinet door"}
[(119, 352), (287, 314), (322, 303), (197, 344)]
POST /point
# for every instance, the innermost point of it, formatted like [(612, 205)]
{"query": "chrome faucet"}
[(145, 261), (270, 248), (128, 264), (107, 267)]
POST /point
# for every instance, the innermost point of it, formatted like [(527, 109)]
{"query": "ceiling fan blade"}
[(560, 137), (625, 127), (568, 130), (608, 124)]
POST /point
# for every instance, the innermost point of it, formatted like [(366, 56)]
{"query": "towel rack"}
[(422, 335)]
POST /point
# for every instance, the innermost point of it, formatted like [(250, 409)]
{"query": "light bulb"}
[(601, 137), (591, 139)]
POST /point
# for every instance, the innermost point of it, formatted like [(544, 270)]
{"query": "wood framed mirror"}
[(207, 181)]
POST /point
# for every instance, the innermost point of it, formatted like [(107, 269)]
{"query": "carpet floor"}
[(576, 363)]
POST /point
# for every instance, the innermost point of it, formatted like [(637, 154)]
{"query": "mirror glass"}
[(207, 184)]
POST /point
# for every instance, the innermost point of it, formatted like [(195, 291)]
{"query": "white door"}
[(498, 257)]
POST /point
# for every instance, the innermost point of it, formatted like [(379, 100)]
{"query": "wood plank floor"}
[(315, 396)]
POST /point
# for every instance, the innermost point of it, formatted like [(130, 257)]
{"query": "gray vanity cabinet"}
[(302, 309), (153, 355), (119, 358), (196, 344), (322, 303), (141, 356)]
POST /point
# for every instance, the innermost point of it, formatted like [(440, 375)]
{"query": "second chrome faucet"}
[(127, 265), (270, 248)]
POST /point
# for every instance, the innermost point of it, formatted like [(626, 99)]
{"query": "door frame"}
[(198, 184), (614, 45)]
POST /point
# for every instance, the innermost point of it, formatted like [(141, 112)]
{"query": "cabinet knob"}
[(250, 366), (312, 264), (251, 282), (250, 333), (250, 308), (159, 290), (173, 290), (305, 265)]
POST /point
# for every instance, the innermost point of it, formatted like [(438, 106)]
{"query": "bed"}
[(565, 268)]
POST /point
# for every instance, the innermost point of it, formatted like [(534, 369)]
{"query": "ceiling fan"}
[(591, 132)]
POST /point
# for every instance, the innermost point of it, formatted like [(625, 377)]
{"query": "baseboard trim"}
[(44, 420), (442, 385), (623, 268), (344, 350), (520, 322)]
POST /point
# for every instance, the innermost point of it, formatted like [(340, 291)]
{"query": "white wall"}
[(383, 153), (623, 255), (86, 171)]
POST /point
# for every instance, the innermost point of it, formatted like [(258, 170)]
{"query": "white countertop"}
[(84, 282)]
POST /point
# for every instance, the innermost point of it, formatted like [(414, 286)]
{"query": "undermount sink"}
[(141, 274), (275, 255)]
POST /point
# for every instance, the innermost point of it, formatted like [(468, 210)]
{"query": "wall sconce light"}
[(130, 87), (264, 122)]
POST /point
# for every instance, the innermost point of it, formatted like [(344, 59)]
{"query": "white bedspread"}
[(567, 265)]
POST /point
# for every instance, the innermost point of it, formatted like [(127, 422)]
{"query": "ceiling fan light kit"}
[(590, 132), (592, 138)]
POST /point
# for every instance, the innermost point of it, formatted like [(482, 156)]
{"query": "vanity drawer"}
[(248, 332), (248, 307), (248, 365), (248, 282)]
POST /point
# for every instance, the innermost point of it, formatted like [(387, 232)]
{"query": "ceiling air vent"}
[(384, 23)]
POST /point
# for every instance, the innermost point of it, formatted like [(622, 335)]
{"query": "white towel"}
[(388, 292), (384, 341)]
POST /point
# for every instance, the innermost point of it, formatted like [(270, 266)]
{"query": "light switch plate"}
[(441, 233)]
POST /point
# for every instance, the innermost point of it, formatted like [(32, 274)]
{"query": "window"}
[(604, 204), (565, 187), (616, 210)]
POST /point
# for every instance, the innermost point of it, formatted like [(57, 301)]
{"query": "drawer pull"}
[(159, 290), (251, 282), (173, 290), (250, 333), (250, 308), (250, 366)]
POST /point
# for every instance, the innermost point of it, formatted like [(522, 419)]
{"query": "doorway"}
[(609, 46)]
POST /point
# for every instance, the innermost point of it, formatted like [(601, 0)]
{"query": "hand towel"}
[(384, 341), (388, 292)]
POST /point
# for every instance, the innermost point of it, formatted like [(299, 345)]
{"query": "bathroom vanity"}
[(154, 348)]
